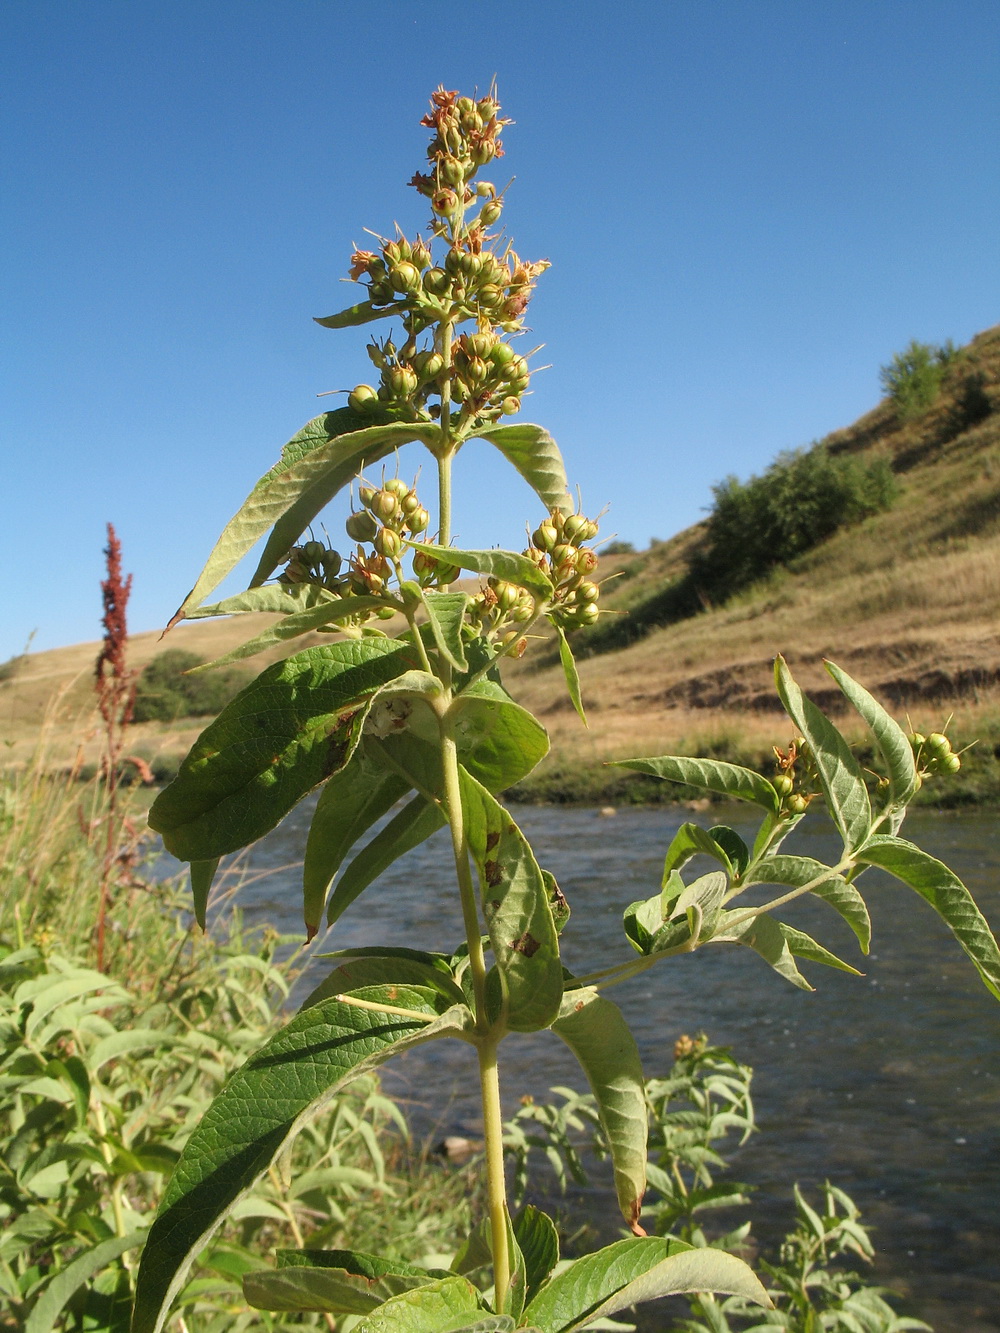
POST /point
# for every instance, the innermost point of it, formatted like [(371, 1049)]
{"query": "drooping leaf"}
[(260, 1109), (315, 1280), (946, 893), (333, 611), (349, 804), (692, 840), (710, 774), (570, 1299), (597, 1034), (284, 599), (202, 875), (733, 845), (839, 773), (764, 935), (286, 732), (445, 615), (570, 672), (695, 1270), (506, 565), (888, 735), (443, 1306), (535, 454), (414, 824), (314, 465), (61, 1288), (796, 871), (362, 313), (700, 902), (539, 1241), (498, 741), (804, 946), (516, 908)]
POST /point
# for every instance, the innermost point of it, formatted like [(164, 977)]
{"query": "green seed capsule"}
[(782, 784), (950, 763), (797, 805), (573, 528), (433, 366), (384, 505), (385, 613), (938, 743), (490, 296), (588, 592), (916, 740), (361, 527), (436, 281), (510, 406), (588, 615), (544, 537), (313, 553), (396, 486), (405, 277), (388, 543), (586, 561), (362, 398), (332, 562), (490, 212), (402, 382), (417, 520)]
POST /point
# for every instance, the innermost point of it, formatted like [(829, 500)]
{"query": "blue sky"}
[(748, 208)]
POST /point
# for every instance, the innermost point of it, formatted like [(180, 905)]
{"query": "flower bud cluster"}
[(499, 613), (797, 782), (314, 563), (557, 548), (389, 514), (933, 754)]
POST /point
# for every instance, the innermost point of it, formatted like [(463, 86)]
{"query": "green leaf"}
[(692, 840), (795, 871), (498, 741), (260, 1109), (642, 919), (700, 901), (314, 465), (535, 454), (695, 1270), (711, 774), (733, 845), (336, 1281), (286, 732), (446, 615), (362, 313), (570, 672), (804, 946), (437, 1307), (839, 773), (765, 936), (278, 598), (506, 565), (349, 804), (570, 1298), (597, 1034), (202, 875), (387, 967), (516, 908), (946, 893), (889, 736), (329, 612), (539, 1243), (61, 1288), (413, 825)]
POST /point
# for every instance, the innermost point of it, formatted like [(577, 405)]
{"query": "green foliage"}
[(165, 692), (912, 379), (803, 498)]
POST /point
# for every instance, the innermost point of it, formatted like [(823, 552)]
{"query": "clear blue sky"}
[(749, 205)]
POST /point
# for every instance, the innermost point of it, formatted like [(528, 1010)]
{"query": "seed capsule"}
[(587, 615), (950, 763), (544, 537), (362, 398), (797, 805), (490, 212), (436, 281), (402, 382), (396, 486), (574, 527), (510, 406), (586, 561), (384, 505), (783, 784), (331, 562), (385, 612), (404, 277), (361, 527), (938, 743), (313, 553), (588, 592), (388, 543), (417, 520)]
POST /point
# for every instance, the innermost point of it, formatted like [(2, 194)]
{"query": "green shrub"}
[(165, 693), (802, 498), (912, 379)]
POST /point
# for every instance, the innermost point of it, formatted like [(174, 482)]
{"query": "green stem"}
[(489, 1085), (444, 499)]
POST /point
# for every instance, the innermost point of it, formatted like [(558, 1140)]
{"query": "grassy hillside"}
[(908, 601)]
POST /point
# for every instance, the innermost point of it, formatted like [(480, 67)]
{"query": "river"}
[(886, 1084)]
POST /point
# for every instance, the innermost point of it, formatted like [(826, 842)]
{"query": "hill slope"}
[(908, 601)]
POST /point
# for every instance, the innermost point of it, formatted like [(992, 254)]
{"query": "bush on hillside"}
[(802, 499), (165, 693), (912, 379)]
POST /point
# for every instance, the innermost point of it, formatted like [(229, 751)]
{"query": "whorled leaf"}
[(742, 784), (280, 737), (889, 736), (516, 908), (946, 893), (261, 1107), (596, 1032), (535, 454), (839, 773)]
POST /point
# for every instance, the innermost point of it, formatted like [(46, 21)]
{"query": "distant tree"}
[(912, 379), (165, 692)]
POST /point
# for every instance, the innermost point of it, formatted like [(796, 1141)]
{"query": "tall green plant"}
[(414, 711)]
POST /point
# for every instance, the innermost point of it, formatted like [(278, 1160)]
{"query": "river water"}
[(886, 1084)]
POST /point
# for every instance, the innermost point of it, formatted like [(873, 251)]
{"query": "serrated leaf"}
[(941, 887), (349, 804), (889, 736), (539, 1242), (329, 612), (764, 935), (843, 897), (336, 1281), (535, 454), (568, 662), (742, 784), (202, 875), (286, 732), (596, 1032), (362, 313), (516, 908), (437, 1307), (446, 615), (506, 565), (260, 1109), (314, 465), (692, 840), (60, 1289), (839, 773)]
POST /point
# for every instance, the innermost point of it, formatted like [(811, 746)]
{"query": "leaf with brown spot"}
[(527, 944)]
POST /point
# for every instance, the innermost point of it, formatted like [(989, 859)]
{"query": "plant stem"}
[(489, 1084), (444, 499)]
